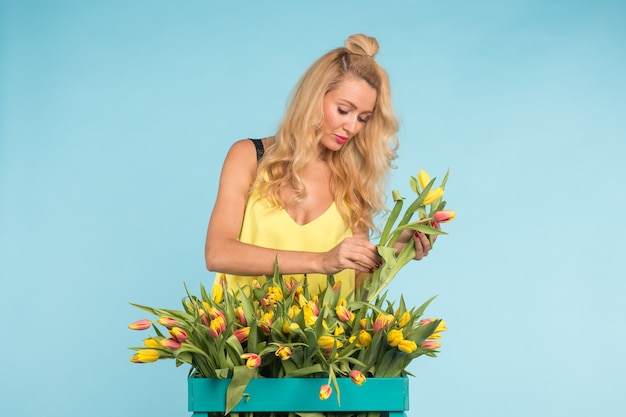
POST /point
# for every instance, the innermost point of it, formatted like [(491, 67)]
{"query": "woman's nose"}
[(350, 126)]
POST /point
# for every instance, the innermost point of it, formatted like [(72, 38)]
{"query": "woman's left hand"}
[(422, 243)]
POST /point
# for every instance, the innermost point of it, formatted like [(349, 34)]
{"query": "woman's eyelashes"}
[(343, 112)]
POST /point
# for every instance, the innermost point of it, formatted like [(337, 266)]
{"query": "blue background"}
[(115, 117)]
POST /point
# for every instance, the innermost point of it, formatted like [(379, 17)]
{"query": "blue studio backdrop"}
[(115, 117)]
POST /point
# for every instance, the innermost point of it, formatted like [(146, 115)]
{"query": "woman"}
[(308, 195)]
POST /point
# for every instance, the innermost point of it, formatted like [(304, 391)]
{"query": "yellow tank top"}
[(272, 227)]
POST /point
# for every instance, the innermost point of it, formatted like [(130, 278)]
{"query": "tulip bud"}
[(443, 216), (325, 391), (241, 317), (441, 327), (382, 321), (217, 293), (283, 352), (407, 346), (431, 344), (433, 195), (291, 283), (404, 320), (326, 342), (170, 344), (265, 323), (365, 338), (168, 322), (252, 360), (179, 334), (394, 337), (357, 377), (151, 342), (342, 311), (242, 334), (289, 328), (145, 356), (423, 178), (140, 325), (217, 327)]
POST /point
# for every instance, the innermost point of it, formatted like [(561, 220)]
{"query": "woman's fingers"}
[(422, 245), (353, 253)]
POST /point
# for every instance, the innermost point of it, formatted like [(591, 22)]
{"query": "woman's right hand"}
[(351, 253)]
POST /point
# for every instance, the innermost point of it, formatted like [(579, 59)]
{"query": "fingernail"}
[(371, 271), (417, 234)]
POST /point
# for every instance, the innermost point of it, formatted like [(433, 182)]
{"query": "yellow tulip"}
[(151, 343), (441, 327), (309, 316), (326, 342), (283, 352), (407, 346), (433, 195), (365, 338), (145, 356), (290, 328), (404, 320), (293, 311), (394, 337), (423, 178), (217, 293)]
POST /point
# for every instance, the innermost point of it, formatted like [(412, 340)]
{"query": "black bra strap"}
[(260, 150)]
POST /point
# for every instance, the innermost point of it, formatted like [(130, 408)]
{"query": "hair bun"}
[(362, 45)]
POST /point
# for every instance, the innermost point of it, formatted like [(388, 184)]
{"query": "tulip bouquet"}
[(278, 328)]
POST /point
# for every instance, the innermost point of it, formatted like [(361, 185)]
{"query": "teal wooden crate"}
[(389, 395)]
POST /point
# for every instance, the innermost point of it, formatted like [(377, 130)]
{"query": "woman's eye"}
[(342, 111), (363, 120)]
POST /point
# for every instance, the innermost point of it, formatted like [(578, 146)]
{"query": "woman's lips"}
[(341, 139)]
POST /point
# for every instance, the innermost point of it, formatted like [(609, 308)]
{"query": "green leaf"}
[(234, 393), (393, 215), (309, 370)]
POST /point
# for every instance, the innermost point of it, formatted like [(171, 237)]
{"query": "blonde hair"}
[(360, 169)]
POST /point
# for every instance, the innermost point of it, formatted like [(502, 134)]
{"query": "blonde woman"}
[(308, 195)]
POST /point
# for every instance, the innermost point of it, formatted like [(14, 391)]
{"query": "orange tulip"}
[(140, 325), (170, 344), (252, 360), (357, 377), (325, 391), (443, 216), (242, 334)]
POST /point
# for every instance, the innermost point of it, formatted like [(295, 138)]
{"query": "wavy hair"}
[(360, 169)]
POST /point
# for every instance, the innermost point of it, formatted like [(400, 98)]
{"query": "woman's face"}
[(346, 110)]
